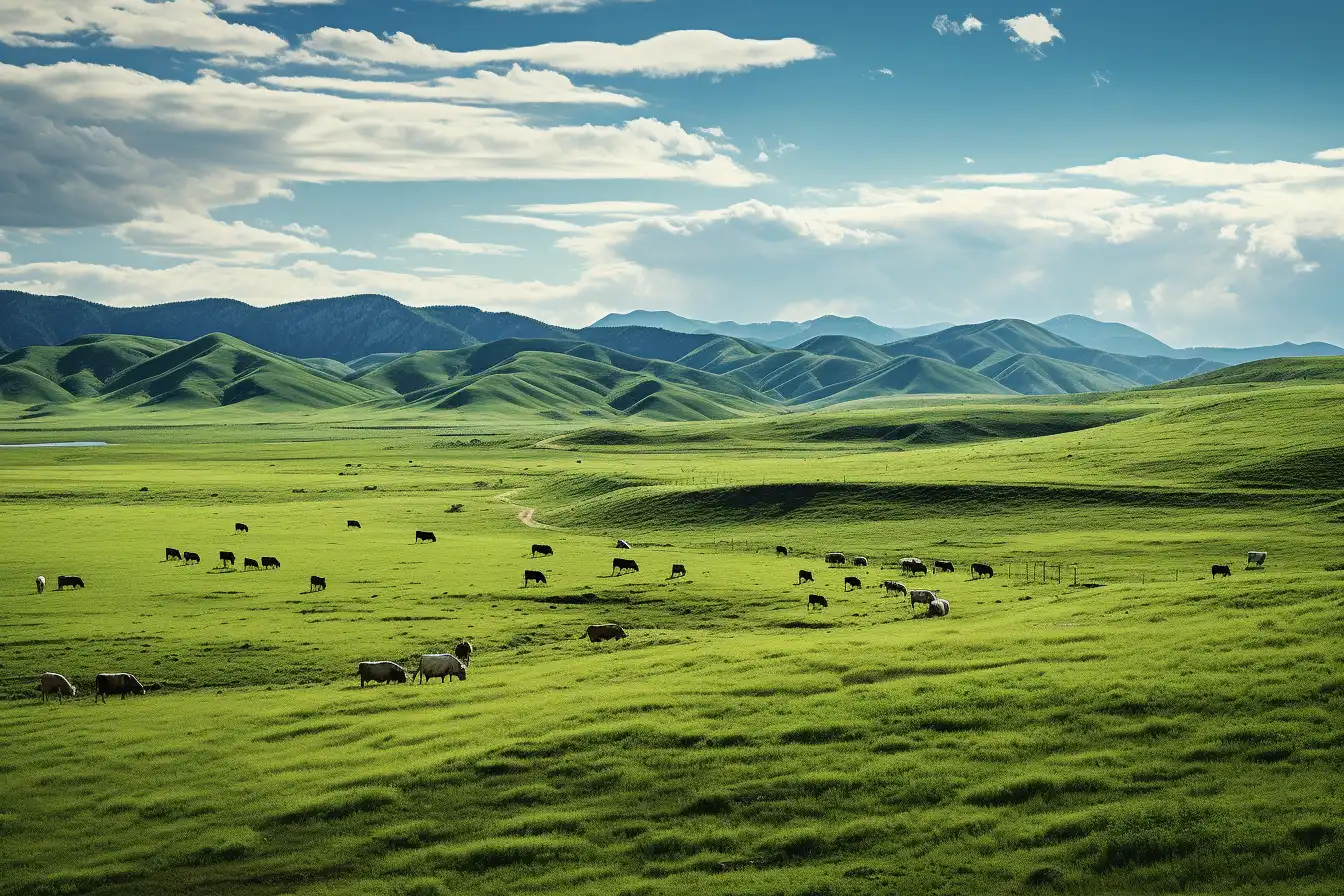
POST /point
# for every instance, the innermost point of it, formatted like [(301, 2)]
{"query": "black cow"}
[(191, 557), (781, 551), (172, 554), (249, 563), (226, 558), (678, 571), (463, 651), (981, 569), (619, 566), (122, 683), (542, 549), (240, 527), (270, 563), (317, 583), (816, 600), (804, 576), (63, 582), (1220, 570), (917, 567), (852, 582), (860, 561), (943, 566), (835, 559), (424, 536), (352, 524), (533, 575)]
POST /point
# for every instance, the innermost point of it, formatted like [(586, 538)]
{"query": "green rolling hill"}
[(908, 375), (77, 369), (1271, 370), (844, 347), (1031, 374)]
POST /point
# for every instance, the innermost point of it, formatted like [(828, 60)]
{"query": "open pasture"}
[(1161, 732)]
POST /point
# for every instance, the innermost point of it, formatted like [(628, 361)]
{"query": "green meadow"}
[(1149, 730)]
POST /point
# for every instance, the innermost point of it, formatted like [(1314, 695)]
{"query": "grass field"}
[(1162, 732)]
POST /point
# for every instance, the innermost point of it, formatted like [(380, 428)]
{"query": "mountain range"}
[(371, 350), (778, 333), (1124, 339)]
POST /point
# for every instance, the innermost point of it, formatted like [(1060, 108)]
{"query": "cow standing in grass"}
[(533, 575), (895, 587), (382, 671), (425, 536), (620, 566), (226, 558), (781, 551), (920, 596), (607, 631), (55, 683), (119, 683), (678, 571), (852, 582), (939, 607), (441, 666), (249, 563), (41, 584), (542, 549), (835, 559), (63, 582), (352, 524), (270, 563), (943, 566), (803, 576), (816, 601), (190, 557), (171, 554), (240, 528), (317, 583), (1221, 570), (981, 569)]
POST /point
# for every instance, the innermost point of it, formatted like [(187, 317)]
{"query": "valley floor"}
[(1162, 731)]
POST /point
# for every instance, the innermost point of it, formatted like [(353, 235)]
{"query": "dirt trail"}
[(525, 514)]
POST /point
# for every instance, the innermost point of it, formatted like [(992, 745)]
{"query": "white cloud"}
[(541, 5), (93, 144), (887, 72), (672, 54), (945, 25), (1056, 12), (969, 160), (171, 233), (433, 242), (1330, 155), (715, 132), (358, 253), (187, 25), (1113, 304), (1032, 31), (1183, 172), (311, 231), (517, 85), (530, 221)]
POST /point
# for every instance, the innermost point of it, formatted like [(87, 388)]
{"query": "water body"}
[(59, 445)]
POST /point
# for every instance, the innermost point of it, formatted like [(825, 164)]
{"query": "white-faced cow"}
[(55, 683), (381, 671), (607, 631), (533, 575), (121, 683)]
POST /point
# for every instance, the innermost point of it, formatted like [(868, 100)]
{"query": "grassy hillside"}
[(845, 347), (221, 370), (1161, 732), (1274, 370), (906, 376), (1040, 375), (80, 367)]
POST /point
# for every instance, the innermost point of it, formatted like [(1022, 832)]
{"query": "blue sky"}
[(1175, 166)]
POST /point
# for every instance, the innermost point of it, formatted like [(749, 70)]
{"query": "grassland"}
[(1161, 732)]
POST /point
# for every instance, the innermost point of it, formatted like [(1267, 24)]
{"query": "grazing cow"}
[(441, 666), (816, 600), (981, 569), (909, 561), (41, 584), (532, 575), (939, 607), (270, 563), (171, 554), (1221, 570), (425, 536), (860, 561), (781, 551), (620, 567), (1256, 558), (920, 596), (55, 683), (894, 587), (240, 527), (678, 571), (918, 568), (804, 576), (463, 652), (121, 683), (191, 557), (852, 582), (352, 524), (607, 631), (317, 583), (63, 582), (835, 559), (623, 544), (382, 671), (249, 563), (943, 566), (226, 558), (542, 549)]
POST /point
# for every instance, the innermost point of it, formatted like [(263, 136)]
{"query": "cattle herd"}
[(455, 664)]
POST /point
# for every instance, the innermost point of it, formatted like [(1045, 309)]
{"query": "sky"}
[(1178, 167)]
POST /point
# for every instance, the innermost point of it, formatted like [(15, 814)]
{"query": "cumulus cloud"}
[(94, 144), (945, 25), (1032, 31), (1330, 155), (604, 209), (312, 231), (668, 55), (187, 25), (516, 86), (171, 233), (433, 242), (542, 5)]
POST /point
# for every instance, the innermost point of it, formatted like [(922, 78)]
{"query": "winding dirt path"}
[(525, 514)]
